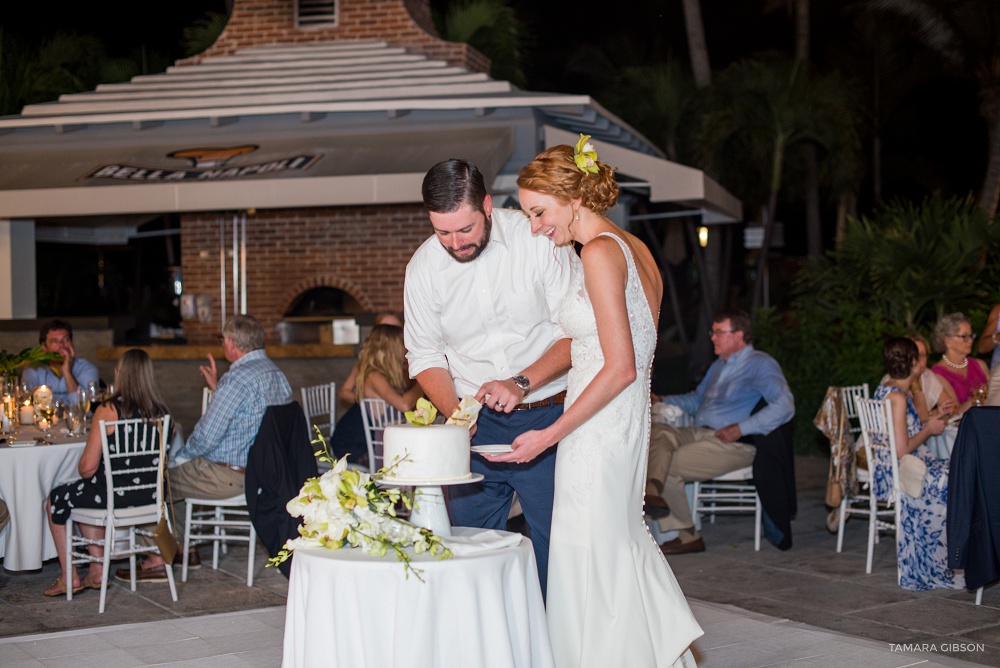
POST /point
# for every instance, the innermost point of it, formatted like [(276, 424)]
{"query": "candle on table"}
[(27, 414)]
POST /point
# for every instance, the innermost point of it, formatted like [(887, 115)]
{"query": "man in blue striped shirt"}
[(722, 406), (216, 452)]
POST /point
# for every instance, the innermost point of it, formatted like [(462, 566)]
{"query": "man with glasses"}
[(63, 376), (722, 406)]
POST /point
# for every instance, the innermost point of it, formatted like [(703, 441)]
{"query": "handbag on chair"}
[(162, 535)]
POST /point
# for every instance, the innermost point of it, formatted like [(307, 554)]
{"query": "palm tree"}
[(201, 34), (760, 108), (492, 28), (697, 47), (965, 35)]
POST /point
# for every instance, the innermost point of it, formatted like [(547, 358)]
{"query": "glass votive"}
[(27, 414)]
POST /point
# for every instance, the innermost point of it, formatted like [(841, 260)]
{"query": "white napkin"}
[(668, 413), (481, 541)]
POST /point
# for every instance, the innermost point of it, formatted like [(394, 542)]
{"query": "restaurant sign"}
[(206, 164)]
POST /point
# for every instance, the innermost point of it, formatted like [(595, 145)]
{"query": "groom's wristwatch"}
[(522, 383)]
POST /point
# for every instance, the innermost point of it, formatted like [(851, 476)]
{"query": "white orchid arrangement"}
[(347, 507), (585, 155)]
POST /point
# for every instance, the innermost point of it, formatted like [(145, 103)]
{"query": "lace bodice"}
[(626, 417), (576, 315)]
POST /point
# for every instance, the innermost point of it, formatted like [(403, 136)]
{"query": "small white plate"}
[(492, 449), (21, 444)]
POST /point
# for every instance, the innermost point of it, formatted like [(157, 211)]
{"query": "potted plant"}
[(10, 363)]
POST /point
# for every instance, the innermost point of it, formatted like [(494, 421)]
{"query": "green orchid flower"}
[(585, 155), (423, 414)]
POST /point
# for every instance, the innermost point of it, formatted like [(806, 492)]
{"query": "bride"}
[(612, 598)]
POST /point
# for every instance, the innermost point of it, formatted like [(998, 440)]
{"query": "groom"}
[(481, 297)]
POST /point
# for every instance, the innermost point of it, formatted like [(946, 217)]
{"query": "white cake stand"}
[(429, 509)]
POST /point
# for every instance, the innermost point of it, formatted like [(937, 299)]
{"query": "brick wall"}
[(405, 23), (362, 250)]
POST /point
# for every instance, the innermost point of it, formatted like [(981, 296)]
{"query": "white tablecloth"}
[(346, 608), (27, 475)]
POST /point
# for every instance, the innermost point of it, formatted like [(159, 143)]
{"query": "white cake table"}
[(346, 608)]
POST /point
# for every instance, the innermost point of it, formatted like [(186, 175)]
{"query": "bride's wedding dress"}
[(612, 598)]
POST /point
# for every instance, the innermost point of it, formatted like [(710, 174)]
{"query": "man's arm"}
[(80, 374), (439, 387), (554, 363), (770, 382), (690, 402), (213, 425)]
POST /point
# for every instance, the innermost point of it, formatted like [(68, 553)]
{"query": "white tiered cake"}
[(431, 453)]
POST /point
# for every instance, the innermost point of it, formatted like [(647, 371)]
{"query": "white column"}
[(18, 296)]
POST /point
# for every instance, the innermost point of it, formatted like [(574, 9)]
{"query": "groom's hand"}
[(500, 395)]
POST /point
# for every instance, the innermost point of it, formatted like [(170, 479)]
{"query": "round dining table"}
[(482, 608), (28, 471)]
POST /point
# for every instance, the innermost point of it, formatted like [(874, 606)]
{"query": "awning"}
[(667, 181), (201, 174)]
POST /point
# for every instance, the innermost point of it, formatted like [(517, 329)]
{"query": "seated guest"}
[(723, 406), (967, 375), (63, 376), (989, 337), (922, 553), (349, 386), (137, 396), (216, 451), (349, 436), (930, 394), (383, 372)]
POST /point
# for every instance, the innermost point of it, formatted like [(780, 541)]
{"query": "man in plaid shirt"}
[(215, 455)]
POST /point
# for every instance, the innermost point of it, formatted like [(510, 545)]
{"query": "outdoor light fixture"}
[(703, 236)]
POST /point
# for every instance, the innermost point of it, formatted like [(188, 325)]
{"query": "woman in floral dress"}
[(922, 552)]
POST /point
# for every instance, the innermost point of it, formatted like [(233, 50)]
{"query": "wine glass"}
[(83, 398), (73, 416), (10, 406), (48, 412)]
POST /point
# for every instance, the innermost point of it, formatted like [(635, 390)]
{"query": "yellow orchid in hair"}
[(585, 155)]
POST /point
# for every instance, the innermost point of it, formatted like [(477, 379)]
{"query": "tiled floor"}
[(733, 639), (808, 585)]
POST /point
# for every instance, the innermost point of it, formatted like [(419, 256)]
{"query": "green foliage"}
[(656, 99), (492, 28), (895, 273), (10, 363), (758, 108), (201, 34)]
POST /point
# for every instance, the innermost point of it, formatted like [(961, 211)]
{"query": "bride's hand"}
[(526, 447)]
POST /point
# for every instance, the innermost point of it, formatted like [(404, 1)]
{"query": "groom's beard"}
[(479, 246)]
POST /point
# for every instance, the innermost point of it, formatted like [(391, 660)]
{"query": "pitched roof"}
[(313, 99)]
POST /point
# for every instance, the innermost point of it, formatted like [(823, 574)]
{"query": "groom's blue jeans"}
[(486, 504)]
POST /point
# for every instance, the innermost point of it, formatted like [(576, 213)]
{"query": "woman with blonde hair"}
[(382, 370), (612, 598), (137, 396)]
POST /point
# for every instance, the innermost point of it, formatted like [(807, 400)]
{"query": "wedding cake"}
[(431, 453)]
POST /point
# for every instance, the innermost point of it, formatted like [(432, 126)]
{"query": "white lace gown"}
[(612, 598)]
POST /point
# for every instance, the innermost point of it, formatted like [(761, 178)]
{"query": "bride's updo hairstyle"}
[(555, 172)]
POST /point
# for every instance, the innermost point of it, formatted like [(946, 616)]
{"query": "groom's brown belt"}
[(554, 400)]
